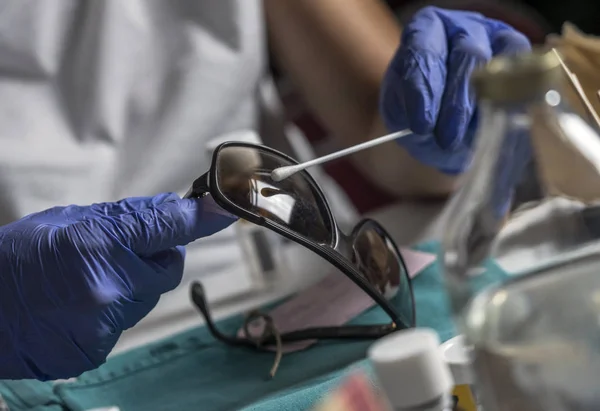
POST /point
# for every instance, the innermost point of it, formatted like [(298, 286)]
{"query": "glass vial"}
[(531, 201)]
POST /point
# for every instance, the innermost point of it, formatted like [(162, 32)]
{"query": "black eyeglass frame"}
[(335, 254)]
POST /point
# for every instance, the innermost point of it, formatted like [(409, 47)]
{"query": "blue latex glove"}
[(73, 278), (426, 87)]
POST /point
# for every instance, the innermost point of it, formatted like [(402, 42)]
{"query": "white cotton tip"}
[(282, 173)]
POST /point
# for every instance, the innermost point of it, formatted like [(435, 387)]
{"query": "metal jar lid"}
[(518, 77)]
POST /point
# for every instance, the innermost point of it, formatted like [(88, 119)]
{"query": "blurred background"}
[(535, 18)]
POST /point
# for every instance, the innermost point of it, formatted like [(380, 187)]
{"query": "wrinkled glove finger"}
[(168, 225), (413, 83), (75, 213), (134, 311), (131, 204), (146, 287), (422, 87), (469, 49), (506, 40), (391, 99), (146, 279), (168, 272)]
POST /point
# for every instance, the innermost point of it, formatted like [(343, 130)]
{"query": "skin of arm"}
[(336, 53)]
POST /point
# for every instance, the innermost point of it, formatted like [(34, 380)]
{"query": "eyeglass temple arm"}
[(351, 332), (199, 300), (199, 187), (343, 332)]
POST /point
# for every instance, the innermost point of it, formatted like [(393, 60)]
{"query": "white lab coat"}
[(106, 99)]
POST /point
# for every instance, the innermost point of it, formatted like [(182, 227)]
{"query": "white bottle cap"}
[(410, 367), (244, 136)]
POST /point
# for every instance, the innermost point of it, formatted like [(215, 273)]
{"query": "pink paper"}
[(416, 261), (333, 301)]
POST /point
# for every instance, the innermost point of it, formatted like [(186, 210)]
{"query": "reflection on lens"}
[(377, 260), (270, 192), (244, 178)]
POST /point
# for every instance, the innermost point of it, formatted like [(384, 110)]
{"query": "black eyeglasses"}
[(239, 180)]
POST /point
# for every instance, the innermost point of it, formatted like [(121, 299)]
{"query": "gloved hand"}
[(73, 278), (426, 87)]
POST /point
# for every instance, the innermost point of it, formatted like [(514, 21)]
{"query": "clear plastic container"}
[(456, 353), (531, 201)]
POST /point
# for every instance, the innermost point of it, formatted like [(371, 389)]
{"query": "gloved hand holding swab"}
[(282, 173)]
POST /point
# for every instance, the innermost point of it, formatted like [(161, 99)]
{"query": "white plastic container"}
[(411, 370)]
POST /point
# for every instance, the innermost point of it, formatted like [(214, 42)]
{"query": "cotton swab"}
[(282, 173)]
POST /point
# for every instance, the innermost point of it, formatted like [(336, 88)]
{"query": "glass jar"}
[(531, 202)]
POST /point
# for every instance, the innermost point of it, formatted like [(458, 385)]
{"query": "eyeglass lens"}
[(377, 259), (244, 178)]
